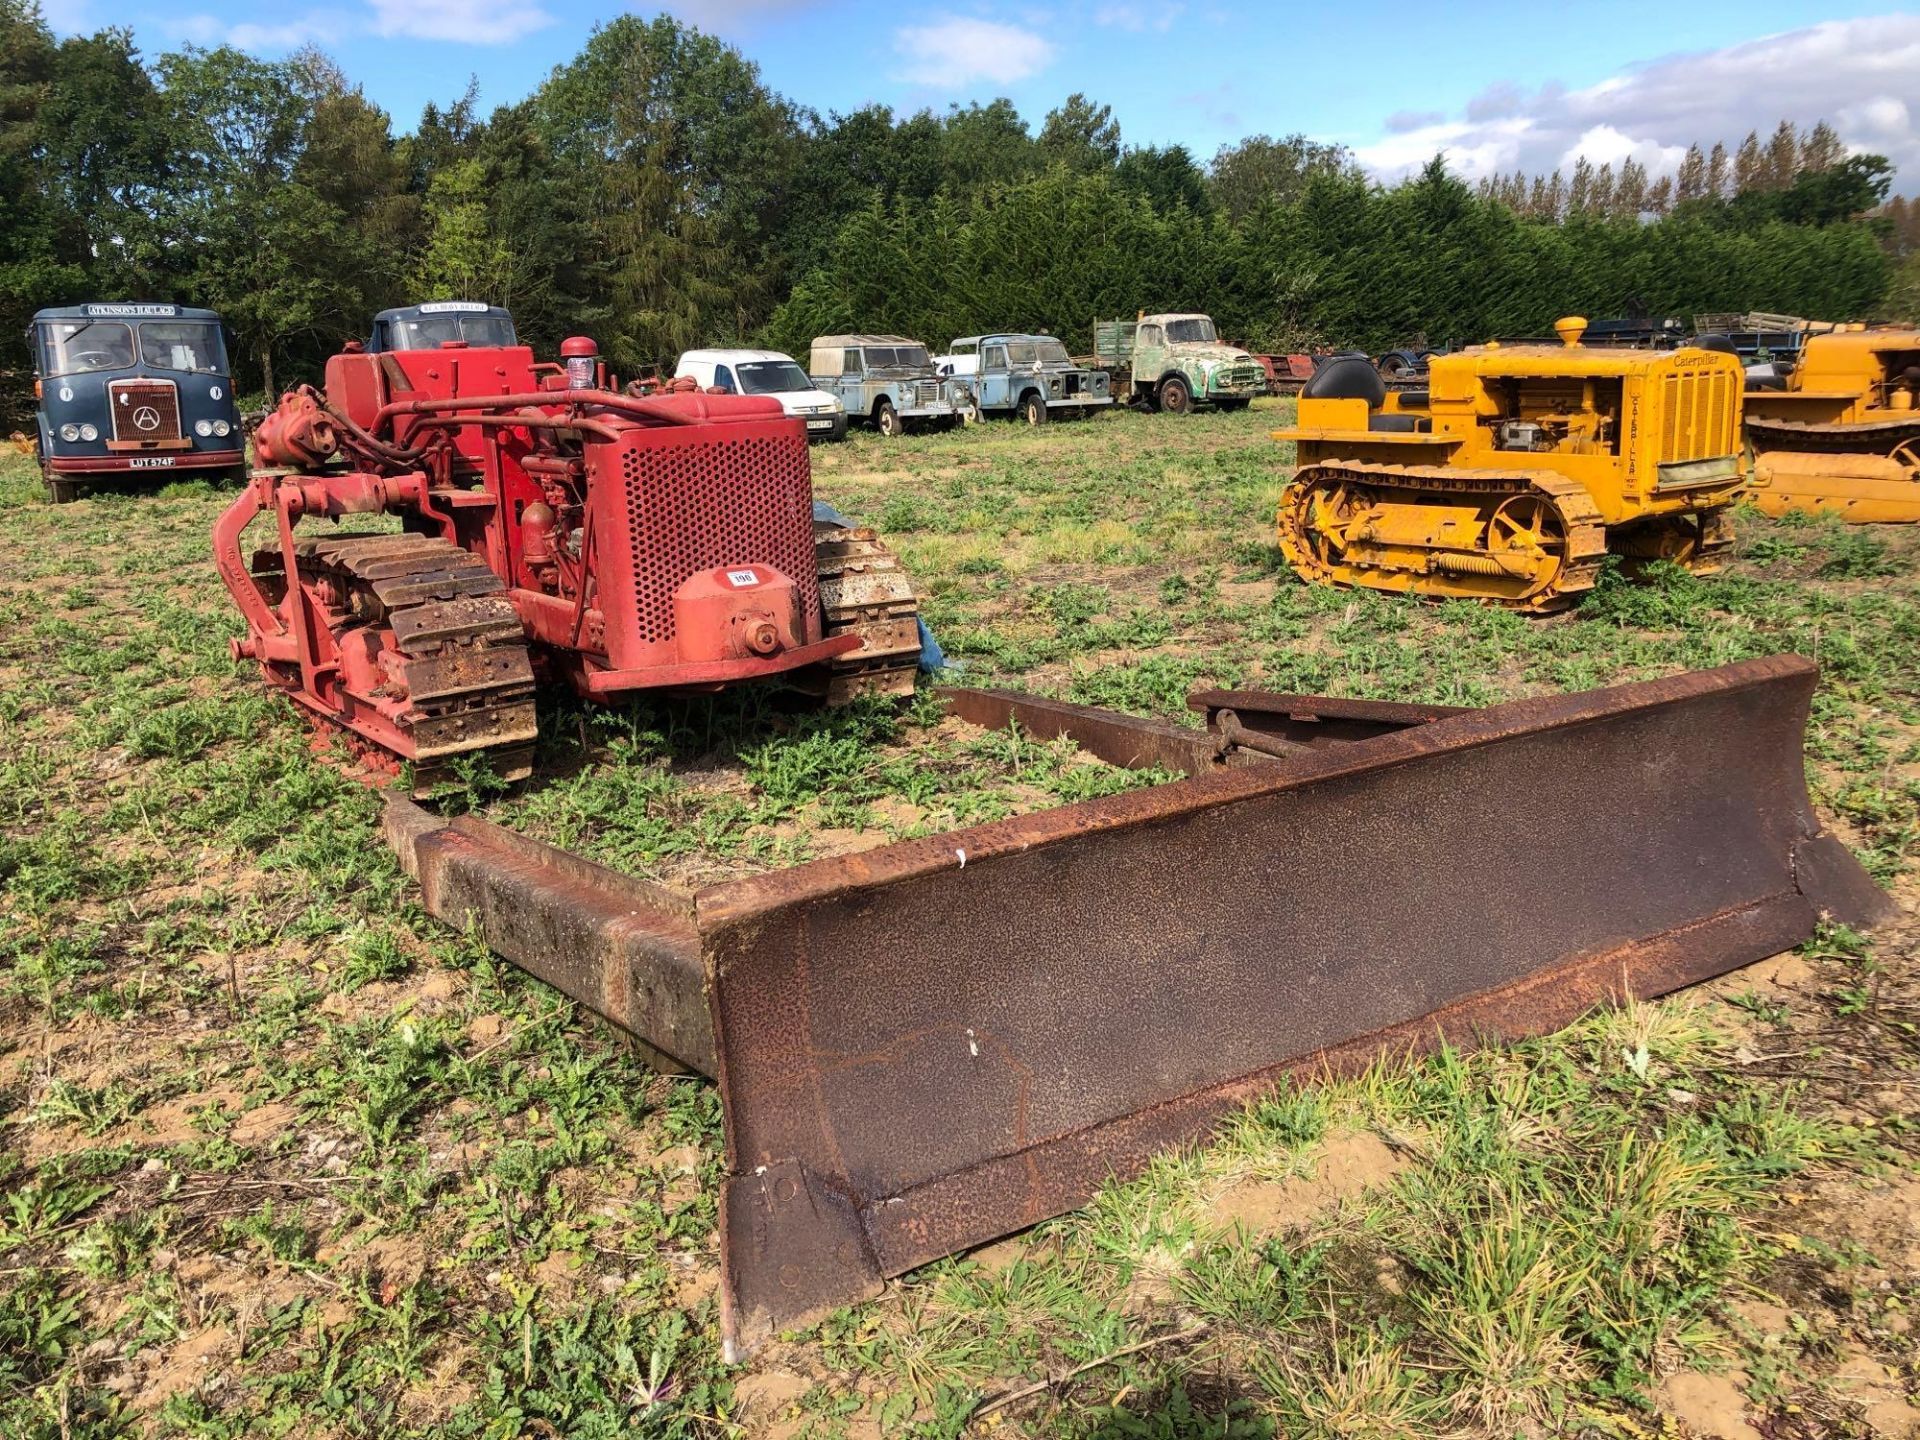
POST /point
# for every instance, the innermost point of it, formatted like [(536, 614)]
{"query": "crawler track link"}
[(456, 678), (864, 589), (1872, 437)]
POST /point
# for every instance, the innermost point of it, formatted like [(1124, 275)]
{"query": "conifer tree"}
[(1749, 165)]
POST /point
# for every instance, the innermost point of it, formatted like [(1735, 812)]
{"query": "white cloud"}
[(1856, 74), (477, 22), (68, 17), (953, 54), (211, 30), (732, 18), (289, 35), (1137, 19)]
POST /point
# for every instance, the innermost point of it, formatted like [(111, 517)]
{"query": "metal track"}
[(458, 678), (863, 589), (1586, 533), (1869, 437)]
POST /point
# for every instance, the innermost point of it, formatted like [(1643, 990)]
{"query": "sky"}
[(1496, 85)]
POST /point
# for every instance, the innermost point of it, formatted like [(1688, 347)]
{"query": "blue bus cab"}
[(127, 389), (438, 322)]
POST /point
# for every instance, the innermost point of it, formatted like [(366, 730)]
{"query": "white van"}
[(768, 372)]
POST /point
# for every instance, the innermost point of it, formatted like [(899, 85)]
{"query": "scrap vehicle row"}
[(932, 1043), (126, 388)]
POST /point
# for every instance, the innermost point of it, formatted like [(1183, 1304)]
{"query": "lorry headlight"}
[(221, 427), (69, 432), (203, 428), (89, 432)]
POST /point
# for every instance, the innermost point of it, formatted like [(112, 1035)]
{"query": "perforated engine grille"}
[(705, 503)]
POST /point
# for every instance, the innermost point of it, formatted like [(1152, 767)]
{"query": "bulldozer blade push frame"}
[(931, 1044)]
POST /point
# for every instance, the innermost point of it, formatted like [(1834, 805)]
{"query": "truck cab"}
[(767, 372), (888, 382), (1176, 362), (438, 322), (127, 388), (1030, 376)]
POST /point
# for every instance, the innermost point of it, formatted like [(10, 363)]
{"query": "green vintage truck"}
[(1175, 363)]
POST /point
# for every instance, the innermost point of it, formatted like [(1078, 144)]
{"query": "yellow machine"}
[(1517, 471), (1843, 437)]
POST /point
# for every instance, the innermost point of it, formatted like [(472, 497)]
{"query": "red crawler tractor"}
[(624, 543)]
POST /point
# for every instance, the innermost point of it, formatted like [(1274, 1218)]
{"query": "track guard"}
[(928, 1045), (1860, 489)]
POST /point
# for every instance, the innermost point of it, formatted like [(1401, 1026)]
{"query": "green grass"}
[(280, 1155)]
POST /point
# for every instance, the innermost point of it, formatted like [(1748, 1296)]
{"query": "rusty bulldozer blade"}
[(928, 1045)]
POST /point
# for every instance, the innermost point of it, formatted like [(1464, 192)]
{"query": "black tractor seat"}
[(1347, 377)]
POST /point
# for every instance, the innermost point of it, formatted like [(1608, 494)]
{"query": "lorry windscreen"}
[(190, 345), (74, 347), (428, 332), (771, 377), (1036, 352), (1198, 331)]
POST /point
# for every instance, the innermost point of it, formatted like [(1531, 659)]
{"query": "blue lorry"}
[(435, 323), (132, 389)]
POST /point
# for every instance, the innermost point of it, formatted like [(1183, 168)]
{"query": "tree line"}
[(1814, 169), (655, 193)]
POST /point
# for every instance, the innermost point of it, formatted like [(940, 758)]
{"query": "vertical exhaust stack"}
[(925, 1046)]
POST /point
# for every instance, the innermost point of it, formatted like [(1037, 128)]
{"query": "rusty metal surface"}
[(620, 946), (1314, 720), (959, 1036), (1125, 740), (927, 1045)]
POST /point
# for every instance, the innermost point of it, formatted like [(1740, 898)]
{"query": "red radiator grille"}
[(145, 410), (700, 504)]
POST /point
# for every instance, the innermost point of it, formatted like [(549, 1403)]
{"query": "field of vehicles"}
[(555, 528), (923, 1045), (1516, 473)]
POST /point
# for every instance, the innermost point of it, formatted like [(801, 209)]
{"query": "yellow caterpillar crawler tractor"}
[(1843, 436), (1516, 472)]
